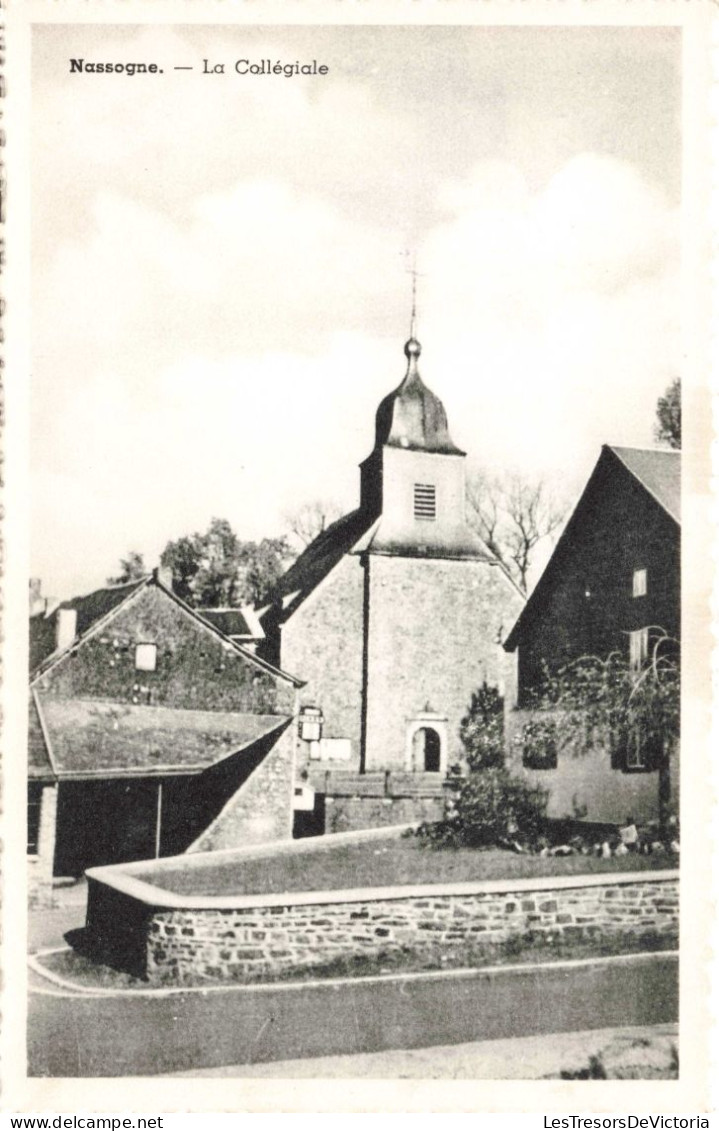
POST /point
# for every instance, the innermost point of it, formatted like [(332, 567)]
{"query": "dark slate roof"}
[(412, 416), (95, 607), (659, 471), (320, 557), (97, 738), (43, 635), (233, 622), (90, 608)]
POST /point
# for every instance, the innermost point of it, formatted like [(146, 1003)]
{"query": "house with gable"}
[(394, 615), (612, 584), (151, 732)]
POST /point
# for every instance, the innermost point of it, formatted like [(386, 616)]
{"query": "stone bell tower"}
[(414, 479)]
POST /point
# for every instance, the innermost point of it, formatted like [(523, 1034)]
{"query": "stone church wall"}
[(322, 644), (434, 636)]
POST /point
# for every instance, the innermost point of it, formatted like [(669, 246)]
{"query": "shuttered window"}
[(638, 647), (425, 501)]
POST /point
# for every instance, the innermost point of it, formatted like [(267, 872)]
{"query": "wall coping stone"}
[(285, 847), (120, 878)]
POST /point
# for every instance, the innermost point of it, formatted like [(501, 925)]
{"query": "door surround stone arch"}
[(433, 724)]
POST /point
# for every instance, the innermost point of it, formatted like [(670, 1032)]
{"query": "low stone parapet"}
[(180, 938)]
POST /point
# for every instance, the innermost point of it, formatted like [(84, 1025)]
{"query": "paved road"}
[(146, 1034), (647, 1050), (48, 925)]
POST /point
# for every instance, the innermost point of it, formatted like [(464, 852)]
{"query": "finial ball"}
[(412, 348)]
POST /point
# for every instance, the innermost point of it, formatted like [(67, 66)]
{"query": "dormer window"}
[(425, 502), (639, 583)]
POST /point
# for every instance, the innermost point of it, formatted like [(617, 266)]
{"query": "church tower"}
[(414, 479), (394, 616)]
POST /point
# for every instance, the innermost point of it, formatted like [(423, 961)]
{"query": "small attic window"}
[(145, 657), (425, 501)]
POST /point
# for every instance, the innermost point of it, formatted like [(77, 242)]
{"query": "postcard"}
[(366, 737)]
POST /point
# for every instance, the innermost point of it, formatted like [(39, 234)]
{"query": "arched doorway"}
[(426, 751)]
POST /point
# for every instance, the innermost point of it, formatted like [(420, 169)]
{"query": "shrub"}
[(482, 729), (491, 807), (539, 744)]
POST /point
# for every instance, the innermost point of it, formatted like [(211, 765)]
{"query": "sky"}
[(220, 265)]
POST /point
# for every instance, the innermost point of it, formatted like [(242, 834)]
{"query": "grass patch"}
[(382, 863), (519, 950)]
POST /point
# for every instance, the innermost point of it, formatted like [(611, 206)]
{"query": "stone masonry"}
[(40, 889), (261, 809), (300, 931)]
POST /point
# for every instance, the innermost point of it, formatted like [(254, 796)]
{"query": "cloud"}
[(220, 298), (550, 308), (254, 270)]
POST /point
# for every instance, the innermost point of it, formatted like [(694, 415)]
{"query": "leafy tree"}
[(512, 514), (263, 564), (668, 427), (311, 519), (132, 568), (216, 569), (482, 729), (591, 703)]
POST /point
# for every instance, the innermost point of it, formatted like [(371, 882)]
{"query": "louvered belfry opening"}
[(425, 501)]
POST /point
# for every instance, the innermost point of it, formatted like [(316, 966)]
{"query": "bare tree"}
[(512, 514), (306, 522)]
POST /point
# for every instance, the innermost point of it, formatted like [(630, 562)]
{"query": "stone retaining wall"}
[(177, 939), (220, 943), (346, 814)]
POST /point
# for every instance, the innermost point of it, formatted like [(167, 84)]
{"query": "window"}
[(639, 583), (636, 753), (638, 647), (145, 657), (425, 501), (632, 750), (539, 744)]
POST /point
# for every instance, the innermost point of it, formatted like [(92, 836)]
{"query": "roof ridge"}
[(635, 448), (55, 657), (639, 478), (252, 656), (105, 589)]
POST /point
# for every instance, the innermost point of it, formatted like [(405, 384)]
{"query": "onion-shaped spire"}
[(412, 416)]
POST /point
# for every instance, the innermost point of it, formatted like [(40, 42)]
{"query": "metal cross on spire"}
[(415, 275)]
